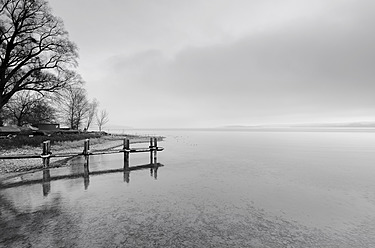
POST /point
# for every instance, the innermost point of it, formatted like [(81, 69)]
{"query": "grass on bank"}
[(36, 141)]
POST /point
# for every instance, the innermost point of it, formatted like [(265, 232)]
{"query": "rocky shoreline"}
[(11, 167)]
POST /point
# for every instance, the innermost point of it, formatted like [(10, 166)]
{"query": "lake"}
[(216, 189)]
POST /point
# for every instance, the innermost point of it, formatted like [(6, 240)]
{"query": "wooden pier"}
[(47, 154)]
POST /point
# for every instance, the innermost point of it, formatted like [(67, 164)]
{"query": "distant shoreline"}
[(263, 129)]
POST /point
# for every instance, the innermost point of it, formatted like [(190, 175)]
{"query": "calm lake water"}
[(216, 189)]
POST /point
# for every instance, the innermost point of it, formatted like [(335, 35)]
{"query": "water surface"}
[(216, 189)]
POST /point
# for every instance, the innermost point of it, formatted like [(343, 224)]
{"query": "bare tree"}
[(20, 106), (35, 52), (74, 106), (27, 107), (4, 116), (42, 112), (93, 109), (102, 119)]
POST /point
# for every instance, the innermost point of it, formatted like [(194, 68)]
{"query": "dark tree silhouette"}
[(28, 108), (35, 51)]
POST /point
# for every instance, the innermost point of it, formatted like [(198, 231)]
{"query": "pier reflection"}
[(126, 176), (86, 173), (46, 184), (46, 179), (154, 172)]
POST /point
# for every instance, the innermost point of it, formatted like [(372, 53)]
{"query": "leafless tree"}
[(20, 106), (4, 116), (35, 52), (102, 119), (74, 106), (42, 112), (27, 107), (93, 109)]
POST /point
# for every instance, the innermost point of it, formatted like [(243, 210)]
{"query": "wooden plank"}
[(61, 155)]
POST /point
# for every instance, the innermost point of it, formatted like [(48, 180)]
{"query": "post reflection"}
[(46, 180), (86, 173), (126, 176), (154, 172), (46, 183)]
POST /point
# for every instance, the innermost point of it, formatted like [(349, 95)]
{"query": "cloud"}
[(300, 66)]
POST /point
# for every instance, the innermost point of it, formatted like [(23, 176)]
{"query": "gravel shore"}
[(9, 167)]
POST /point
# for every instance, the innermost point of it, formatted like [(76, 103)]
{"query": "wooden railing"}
[(47, 153)]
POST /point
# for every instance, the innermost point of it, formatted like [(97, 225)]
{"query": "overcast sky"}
[(210, 63)]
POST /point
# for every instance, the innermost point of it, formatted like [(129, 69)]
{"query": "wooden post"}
[(151, 150), (86, 170), (126, 147), (86, 147), (46, 153), (155, 150)]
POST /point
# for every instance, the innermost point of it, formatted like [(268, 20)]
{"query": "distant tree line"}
[(38, 81)]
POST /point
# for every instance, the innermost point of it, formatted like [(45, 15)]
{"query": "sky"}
[(213, 63)]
